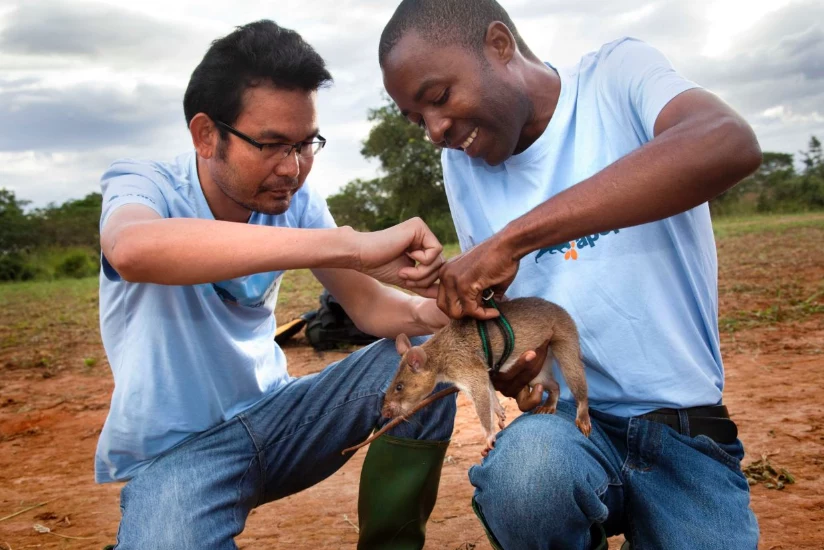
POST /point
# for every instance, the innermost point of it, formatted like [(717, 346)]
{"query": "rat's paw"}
[(490, 444), (583, 423), (501, 414), (545, 409)]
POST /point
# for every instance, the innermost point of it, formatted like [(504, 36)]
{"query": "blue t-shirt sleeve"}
[(129, 182), (315, 214), (640, 77)]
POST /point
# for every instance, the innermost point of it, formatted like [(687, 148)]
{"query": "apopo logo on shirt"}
[(570, 249)]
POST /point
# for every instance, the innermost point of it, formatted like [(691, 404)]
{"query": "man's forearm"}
[(403, 313), (191, 251), (378, 309), (682, 168)]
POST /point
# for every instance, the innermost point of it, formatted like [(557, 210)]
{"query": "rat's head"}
[(413, 381)]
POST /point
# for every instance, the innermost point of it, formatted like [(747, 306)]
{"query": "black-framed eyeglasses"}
[(306, 149)]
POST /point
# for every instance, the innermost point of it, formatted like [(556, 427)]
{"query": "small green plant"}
[(90, 362), (761, 471)]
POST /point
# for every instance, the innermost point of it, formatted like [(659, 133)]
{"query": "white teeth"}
[(470, 139)]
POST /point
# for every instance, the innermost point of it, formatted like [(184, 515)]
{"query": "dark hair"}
[(253, 54), (445, 22)]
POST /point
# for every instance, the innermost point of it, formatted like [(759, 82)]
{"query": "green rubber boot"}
[(398, 488)]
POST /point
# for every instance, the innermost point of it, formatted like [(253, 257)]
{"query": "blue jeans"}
[(199, 494), (545, 485)]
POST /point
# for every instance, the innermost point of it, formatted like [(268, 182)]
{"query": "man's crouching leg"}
[(545, 485), (401, 474)]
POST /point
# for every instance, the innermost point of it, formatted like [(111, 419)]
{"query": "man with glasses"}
[(205, 422)]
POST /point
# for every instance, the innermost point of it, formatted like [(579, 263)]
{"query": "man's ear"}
[(416, 359), (402, 343), (499, 42), (205, 136)]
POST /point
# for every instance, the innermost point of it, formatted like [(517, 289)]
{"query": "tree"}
[(411, 183), (362, 205), (73, 223), (16, 231), (811, 187), (777, 187), (814, 158)]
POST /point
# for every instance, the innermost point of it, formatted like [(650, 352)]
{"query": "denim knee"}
[(543, 480), (171, 523)]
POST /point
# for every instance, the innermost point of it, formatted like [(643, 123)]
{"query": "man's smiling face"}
[(463, 100)]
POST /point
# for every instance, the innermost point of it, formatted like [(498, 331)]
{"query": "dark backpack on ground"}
[(331, 327)]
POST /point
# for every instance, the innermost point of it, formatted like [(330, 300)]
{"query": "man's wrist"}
[(509, 243), (350, 248), (525, 235), (424, 312)]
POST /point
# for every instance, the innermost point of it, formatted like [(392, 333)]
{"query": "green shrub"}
[(76, 266), (13, 267)]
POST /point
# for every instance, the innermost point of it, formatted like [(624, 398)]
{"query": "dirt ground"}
[(55, 388)]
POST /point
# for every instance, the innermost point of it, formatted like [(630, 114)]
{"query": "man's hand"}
[(390, 256), (513, 383), (465, 277)]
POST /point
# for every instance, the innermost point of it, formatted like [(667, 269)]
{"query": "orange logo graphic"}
[(571, 254)]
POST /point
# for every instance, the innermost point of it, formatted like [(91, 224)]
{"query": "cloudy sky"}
[(85, 82)]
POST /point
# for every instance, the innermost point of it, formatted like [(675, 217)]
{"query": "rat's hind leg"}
[(568, 353), (478, 388), (546, 379), (497, 408), (551, 403)]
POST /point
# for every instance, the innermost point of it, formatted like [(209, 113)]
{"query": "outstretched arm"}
[(701, 148), (144, 247)]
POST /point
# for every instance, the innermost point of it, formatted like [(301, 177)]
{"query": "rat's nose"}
[(388, 411)]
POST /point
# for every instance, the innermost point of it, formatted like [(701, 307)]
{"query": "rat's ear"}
[(416, 359), (402, 343)]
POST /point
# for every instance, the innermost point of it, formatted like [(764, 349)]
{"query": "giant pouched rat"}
[(455, 355)]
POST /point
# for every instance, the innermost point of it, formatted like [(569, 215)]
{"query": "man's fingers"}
[(431, 257), (525, 358), (426, 242), (529, 399), (472, 309), (422, 283), (448, 299), (419, 273)]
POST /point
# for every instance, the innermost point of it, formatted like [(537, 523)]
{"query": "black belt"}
[(713, 422)]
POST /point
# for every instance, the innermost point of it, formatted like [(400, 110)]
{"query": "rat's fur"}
[(455, 355)]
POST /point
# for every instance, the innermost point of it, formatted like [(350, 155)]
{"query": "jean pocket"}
[(729, 454)]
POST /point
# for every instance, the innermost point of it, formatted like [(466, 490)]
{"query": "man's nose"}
[(436, 128), (289, 166)]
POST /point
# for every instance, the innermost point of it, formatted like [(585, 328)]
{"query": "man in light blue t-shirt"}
[(588, 186), (205, 422)]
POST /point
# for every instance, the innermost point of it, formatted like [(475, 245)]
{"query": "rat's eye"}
[(399, 387)]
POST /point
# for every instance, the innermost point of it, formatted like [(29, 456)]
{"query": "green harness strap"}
[(506, 330)]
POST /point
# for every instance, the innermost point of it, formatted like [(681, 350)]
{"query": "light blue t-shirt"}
[(645, 298), (184, 358)]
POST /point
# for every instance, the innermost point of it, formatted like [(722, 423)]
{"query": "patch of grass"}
[(730, 226), (36, 317)]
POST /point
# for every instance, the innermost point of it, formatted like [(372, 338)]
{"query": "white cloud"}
[(85, 82)]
